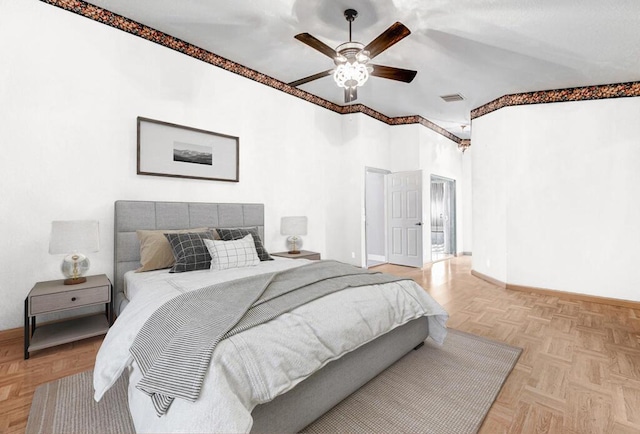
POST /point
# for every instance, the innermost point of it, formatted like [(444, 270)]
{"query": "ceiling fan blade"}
[(386, 39), (392, 73), (350, 94), (317, 44), (311, 78)]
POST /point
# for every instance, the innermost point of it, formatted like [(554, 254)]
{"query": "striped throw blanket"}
[(174, 347)]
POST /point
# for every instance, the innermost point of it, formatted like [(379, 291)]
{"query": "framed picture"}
[(166, 149)]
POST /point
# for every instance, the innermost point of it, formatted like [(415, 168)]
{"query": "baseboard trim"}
[(491, 280), (573, 296), (16, 333), (378, 258)]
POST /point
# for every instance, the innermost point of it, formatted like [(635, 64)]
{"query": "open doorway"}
[(375, 223), (443, 218)]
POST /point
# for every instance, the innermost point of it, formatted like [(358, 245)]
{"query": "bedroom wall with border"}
[(556, 196), (70, 102), (416, 148), (438, 157), (69, 130), (467, 191)]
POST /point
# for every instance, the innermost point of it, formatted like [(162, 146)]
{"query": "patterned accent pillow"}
[(155, 251), (189, 251), (232, 254), (230, 234)]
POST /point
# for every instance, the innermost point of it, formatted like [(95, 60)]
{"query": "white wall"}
[(69, 107), (489, 196), (414, 147), (70, 102), (439, 156), (375, 225), (556, 196), (466, 187), (405, 148), (365, 144)]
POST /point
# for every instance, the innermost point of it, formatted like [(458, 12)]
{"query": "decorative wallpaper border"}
[(604, 91), (114, 20)]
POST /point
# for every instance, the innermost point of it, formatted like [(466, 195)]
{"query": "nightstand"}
[(304, 254), (55, 296)]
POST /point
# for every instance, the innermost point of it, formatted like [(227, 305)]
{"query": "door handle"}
[(419, 224)]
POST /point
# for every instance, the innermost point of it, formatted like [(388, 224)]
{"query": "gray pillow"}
[(189, 251), (230, 234)]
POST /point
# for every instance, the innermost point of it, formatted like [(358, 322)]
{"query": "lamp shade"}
[(293, 225), (74, 236)]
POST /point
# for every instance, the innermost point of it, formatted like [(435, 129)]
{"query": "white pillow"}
[(232, 254)]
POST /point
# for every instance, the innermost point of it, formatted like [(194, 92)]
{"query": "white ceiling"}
[(482, 49)]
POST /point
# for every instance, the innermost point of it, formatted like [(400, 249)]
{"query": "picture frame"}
[(166, 149)]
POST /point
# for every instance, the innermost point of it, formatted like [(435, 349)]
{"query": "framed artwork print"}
[(166, 149)]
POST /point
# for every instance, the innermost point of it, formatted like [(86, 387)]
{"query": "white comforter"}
[(246, 370)]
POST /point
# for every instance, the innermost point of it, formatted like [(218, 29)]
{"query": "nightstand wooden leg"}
[(111, 307), (108, 313), (27, 332)]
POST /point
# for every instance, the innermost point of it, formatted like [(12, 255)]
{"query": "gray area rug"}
[(447, 389)]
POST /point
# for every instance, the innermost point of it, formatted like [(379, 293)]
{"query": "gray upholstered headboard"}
[(133, 215)]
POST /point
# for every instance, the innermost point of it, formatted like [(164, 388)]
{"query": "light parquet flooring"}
[(19, 378), (579, 371)]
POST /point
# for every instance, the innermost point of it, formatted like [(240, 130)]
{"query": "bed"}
[(295, 403)]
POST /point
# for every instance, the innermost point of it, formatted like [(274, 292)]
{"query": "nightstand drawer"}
[(68, 300)]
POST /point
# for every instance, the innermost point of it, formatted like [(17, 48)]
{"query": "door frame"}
[(384, 203), (453, 221)]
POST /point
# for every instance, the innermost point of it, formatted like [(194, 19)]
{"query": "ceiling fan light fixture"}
[(352, 58), (464, 145), (351, 74), (351, 65), (362, 56)]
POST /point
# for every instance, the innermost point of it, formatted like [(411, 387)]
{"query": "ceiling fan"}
[(351, 59)]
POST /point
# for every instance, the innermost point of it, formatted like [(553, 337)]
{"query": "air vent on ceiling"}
[(452, 97)]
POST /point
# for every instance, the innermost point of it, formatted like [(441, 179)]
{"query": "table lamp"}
[(71, 238), (294, 226)]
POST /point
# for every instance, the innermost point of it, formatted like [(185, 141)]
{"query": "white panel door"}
[(404, 193)]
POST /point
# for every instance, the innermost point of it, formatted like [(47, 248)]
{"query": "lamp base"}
[(294, 243), (73, 267), (74, 281)]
